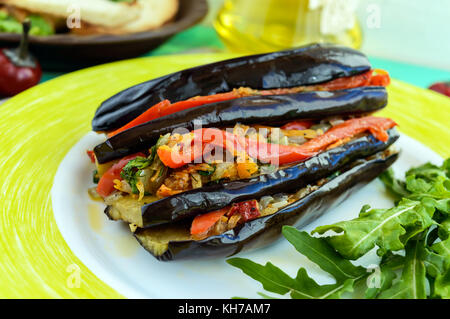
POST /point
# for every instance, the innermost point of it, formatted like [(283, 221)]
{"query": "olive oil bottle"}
[(254, 26)]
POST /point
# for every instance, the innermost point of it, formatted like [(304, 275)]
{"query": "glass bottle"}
[(253, 26)]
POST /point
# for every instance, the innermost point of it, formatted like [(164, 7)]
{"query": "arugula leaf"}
[(389, 229), (444, 229), (413, 281), (384, 275), (435, 263), (427, 172), (442, 249), (319, 252), (396, 187), (419, 225), (275, 280), (442, 285)]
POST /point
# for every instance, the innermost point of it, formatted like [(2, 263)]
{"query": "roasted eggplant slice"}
[(248, 110), (172, 241), (307, 65)]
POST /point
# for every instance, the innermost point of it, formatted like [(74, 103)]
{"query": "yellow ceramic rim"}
[(38, 128)]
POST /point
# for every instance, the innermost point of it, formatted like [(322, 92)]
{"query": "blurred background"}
[(414, 31), (409, 38)]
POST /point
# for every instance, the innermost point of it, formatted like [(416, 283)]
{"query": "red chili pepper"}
[(106, 183), (441, 87), (19, 70), (298, 125)]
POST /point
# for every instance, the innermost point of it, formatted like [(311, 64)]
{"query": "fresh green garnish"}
[(95, 177), (152, 152), (209, 172), (132, 169), (39, 26), (413, 241), (334, 175)]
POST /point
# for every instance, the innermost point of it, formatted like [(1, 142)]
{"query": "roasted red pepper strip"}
[(151, 114), (106, 183), (200, 100), (91, 155), (248, 210), (203, 223), (377, 126), (380, 78), (346, 83), (275, 153), (298, 125), (175, 159), (165, 107), (265, 152)]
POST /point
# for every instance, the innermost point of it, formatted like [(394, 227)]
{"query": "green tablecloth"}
[(202, 38)]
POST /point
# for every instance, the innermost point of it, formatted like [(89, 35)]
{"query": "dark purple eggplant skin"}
[(249, 110), (308, 65), (216, 196), (266, 230)]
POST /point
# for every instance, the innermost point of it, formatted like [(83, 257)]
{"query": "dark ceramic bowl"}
[(64, 52)]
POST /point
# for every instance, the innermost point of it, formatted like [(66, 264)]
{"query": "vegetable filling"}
[(178, 163)]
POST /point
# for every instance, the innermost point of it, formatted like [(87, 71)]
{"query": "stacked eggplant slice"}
[(215, 159)]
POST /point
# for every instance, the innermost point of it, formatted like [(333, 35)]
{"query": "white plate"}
[(110, 251)]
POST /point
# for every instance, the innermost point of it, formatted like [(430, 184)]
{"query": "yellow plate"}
[(38, 128)]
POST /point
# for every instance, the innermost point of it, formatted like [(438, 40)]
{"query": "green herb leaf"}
[(419, 225), (389, 229), (396, 187), (208, 172), (275, 280), (383, 276), (317, 250), (442, 285), (413, 281), (321, 253), (130, 171), (271, 277), (95, 177)]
